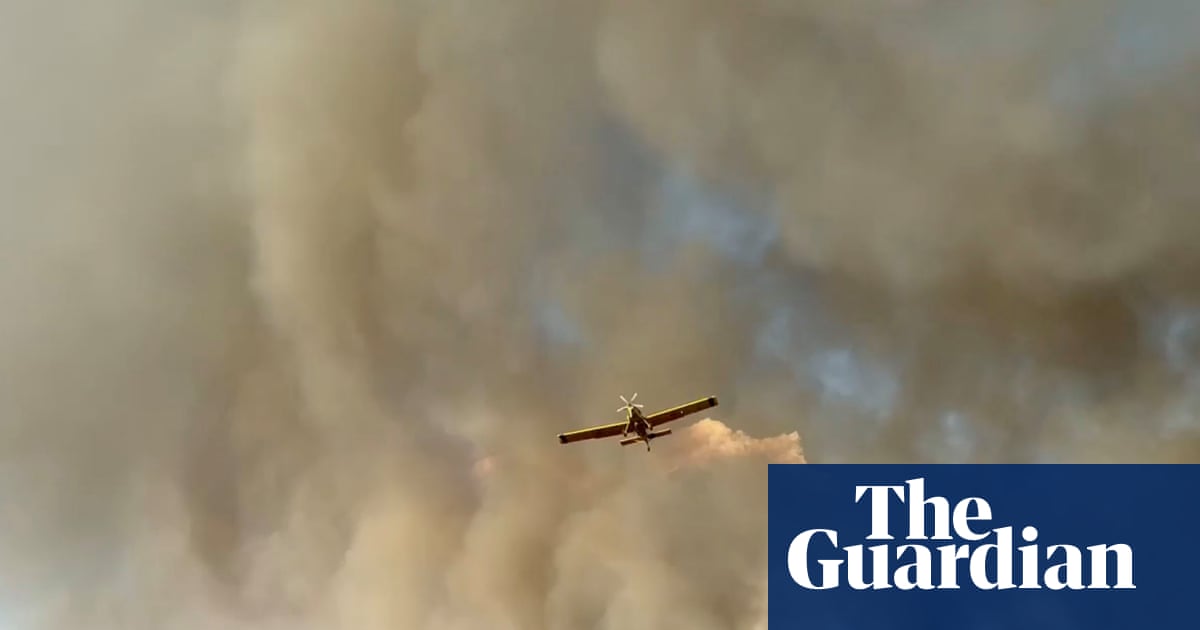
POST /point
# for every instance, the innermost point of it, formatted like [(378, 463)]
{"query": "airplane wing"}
[(667, 415), (592, 433)]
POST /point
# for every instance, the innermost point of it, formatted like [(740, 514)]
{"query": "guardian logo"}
[(1003, 546), (964, 521)]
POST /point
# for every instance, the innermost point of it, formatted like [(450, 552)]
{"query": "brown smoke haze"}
[(275, 276)]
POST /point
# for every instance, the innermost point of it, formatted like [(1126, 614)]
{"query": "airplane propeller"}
[(629, 403)]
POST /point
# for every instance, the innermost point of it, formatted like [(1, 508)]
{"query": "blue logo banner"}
[(988, 547)]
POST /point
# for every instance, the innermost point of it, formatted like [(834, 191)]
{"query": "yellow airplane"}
[(635, 422)]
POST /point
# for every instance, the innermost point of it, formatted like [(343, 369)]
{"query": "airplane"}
[(637, 423)]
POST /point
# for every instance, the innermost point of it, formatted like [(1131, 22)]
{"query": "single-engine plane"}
[(643, 427)]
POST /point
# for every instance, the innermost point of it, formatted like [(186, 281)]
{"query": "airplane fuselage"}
[(635, 422)]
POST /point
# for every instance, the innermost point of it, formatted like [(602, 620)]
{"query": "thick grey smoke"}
[(297, 294), (991, 200)]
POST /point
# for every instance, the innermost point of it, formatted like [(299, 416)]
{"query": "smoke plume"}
[(297, 294)]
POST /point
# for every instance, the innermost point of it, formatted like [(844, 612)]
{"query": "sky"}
[(297, 294)]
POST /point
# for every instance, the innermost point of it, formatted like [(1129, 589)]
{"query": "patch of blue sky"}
[(625, 168), (846, 376), (680, 210), (952, 440), (1179, 339), (1154, 34), (1128, 45), (684, 210), (653, 206), (794, 323), (774, 338), (797, 335), (654, 211), (1173, 332), (1145, 41), (556, 326)]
